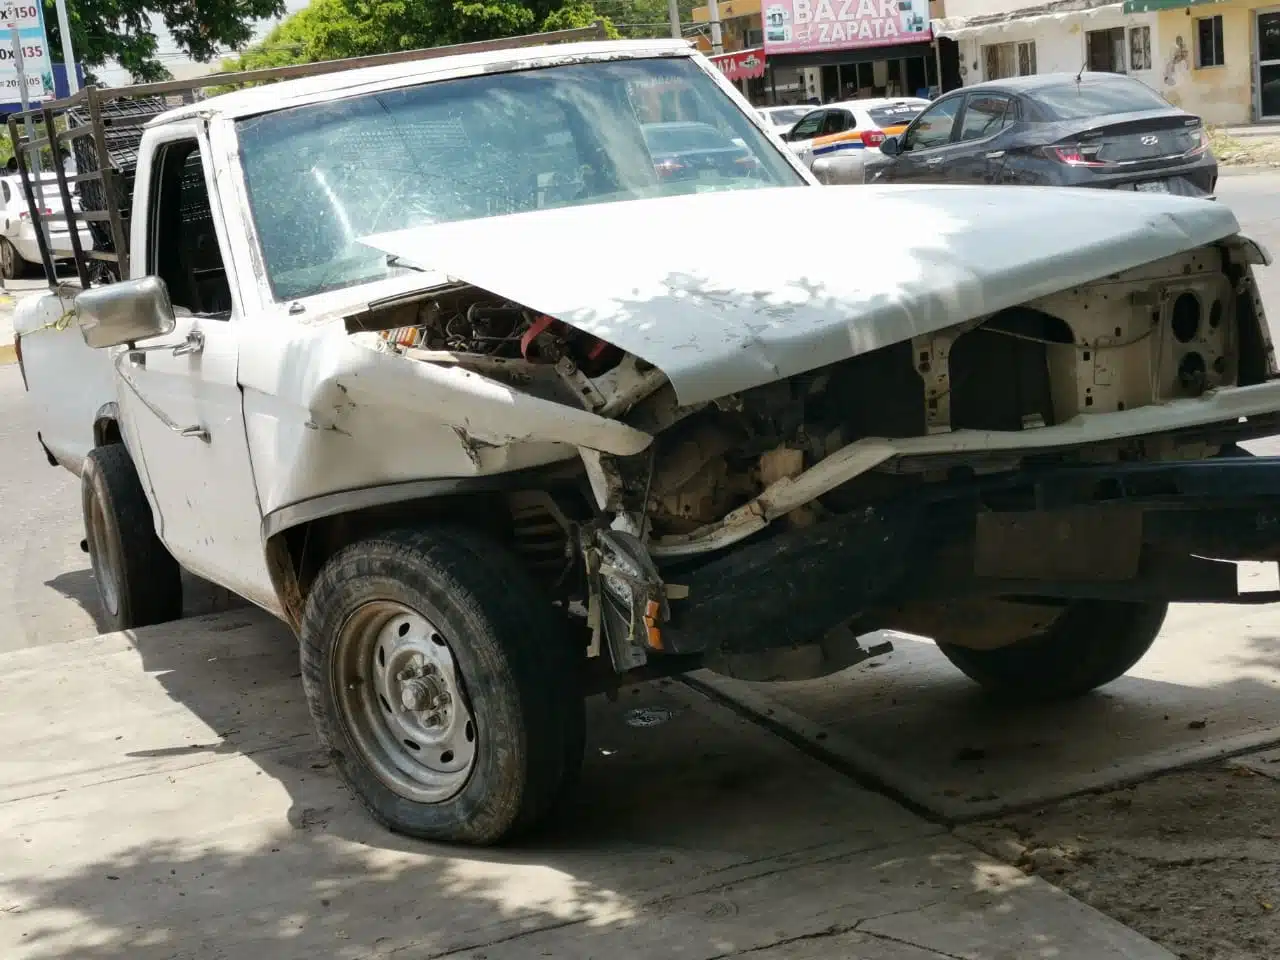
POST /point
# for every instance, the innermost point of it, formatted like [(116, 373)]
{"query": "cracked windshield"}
[(321, 177)]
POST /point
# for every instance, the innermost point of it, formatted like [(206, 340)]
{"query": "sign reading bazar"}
[(742, 65), (803, 26)]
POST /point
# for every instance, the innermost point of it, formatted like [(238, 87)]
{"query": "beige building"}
[(1220, 61)]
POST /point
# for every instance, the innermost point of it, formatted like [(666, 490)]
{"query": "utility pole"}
[(673, 11), (19, 64), (68, 56), (717, 41)]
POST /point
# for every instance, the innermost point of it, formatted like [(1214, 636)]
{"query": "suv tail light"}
[(1077, 155), (1200, 147), (26, 215), (872, 138)]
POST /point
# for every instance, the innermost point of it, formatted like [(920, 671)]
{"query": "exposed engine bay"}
[(1082, 376), (1175, 329)]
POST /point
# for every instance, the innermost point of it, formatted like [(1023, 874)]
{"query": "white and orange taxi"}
[(835, 140)]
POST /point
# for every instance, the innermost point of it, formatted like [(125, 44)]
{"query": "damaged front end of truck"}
[(958, 433)]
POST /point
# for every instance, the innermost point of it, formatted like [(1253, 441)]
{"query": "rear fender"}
[(68, 382)]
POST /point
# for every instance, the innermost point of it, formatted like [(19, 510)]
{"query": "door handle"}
[(933, 161), (191, 346), (195, 432), (995, 154)]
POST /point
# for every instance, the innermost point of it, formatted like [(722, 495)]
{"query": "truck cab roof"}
[(332, 86)]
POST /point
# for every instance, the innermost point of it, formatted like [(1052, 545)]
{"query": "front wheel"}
[(441, 685), (1091, 643)]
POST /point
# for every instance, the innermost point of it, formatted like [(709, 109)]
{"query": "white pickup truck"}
[(433, 361)]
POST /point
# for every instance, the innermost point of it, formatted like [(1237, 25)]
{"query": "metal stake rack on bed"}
[(103, 127)]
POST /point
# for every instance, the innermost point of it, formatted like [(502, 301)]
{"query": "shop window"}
[(1209, 51), (1104, 50), (1139, 48), (1009, 59)]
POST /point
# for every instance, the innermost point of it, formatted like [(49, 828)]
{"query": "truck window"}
[(322, 176), (184, 249)]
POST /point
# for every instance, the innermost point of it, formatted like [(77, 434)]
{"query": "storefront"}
[(853, 49)]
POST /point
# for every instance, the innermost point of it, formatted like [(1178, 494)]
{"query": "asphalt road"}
[(46, 590)]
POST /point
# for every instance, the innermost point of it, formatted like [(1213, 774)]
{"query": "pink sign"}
[(802, 26)]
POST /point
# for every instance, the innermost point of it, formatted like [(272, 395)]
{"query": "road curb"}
[(8, 354)]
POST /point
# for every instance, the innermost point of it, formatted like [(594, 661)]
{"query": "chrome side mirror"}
[(124, 312)]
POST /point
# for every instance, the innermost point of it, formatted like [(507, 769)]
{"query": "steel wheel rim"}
[(104, 557), (402, 702)]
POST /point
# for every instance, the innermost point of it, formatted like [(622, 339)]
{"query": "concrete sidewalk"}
[(160, 796)]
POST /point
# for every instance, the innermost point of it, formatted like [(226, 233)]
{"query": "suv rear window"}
[(894, 115), (1075, 101)]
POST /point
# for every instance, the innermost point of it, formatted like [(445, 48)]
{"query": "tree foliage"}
[(334, 29), (120, 30)]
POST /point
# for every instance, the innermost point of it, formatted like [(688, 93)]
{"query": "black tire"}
[(519, 673), (1090, 644), (12, 266), (139, 582)]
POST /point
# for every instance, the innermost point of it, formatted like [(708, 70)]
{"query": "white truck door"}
[(183, 410)]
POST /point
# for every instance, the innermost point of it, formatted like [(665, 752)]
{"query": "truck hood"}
[(727, 291)]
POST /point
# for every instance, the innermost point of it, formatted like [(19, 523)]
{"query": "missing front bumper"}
[(1151, 532)]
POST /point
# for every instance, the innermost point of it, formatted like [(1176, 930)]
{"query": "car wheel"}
[(441, 685), (139, 582), (1090, 644), (12, 266)]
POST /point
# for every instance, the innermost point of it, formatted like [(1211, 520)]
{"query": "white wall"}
[(1060, 43), (982, 8)]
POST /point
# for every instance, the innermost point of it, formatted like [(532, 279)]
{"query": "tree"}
[(334, 29), (120, 30), (577, 13)]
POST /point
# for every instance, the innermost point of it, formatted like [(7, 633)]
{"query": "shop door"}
[(1268, 23)]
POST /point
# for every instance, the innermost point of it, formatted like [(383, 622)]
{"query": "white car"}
[(431, 361), (19, 248), (782, 119), (835, 141)]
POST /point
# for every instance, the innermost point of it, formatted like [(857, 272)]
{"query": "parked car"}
[(19, 249), (691, 150), (836, 141), (1089, 130), (447, 376), (782, 119)]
